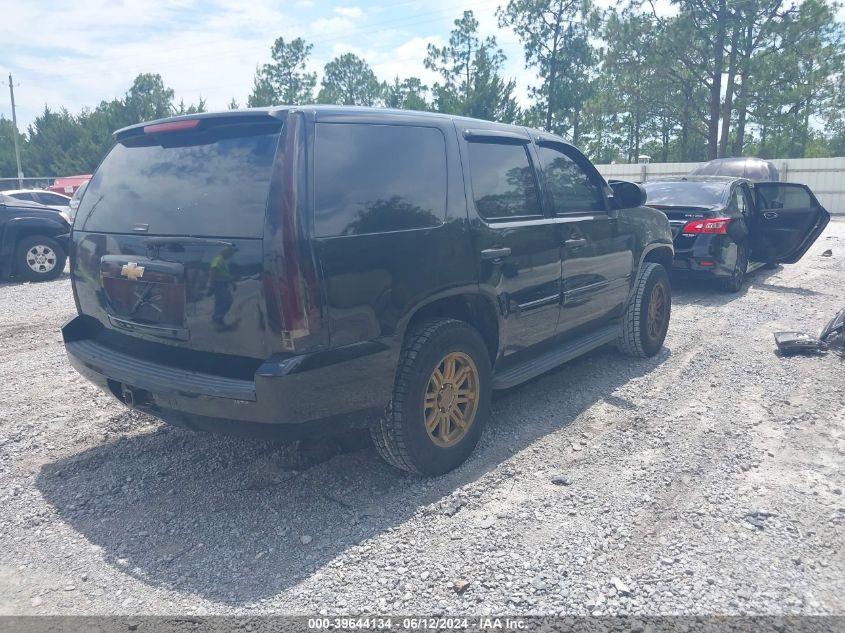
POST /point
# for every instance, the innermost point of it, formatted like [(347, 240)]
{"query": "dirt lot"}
[(706, 480)]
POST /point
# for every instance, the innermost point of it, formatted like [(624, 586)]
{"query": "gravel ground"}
[(706, 480)]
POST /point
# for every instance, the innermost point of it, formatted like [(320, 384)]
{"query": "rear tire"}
[(646, 319), (39, 258), (441, 399), (737, 279)]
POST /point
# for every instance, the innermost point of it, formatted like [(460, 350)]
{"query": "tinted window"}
[(686, 194), (16, 202), (377, 178), (25, 196), (210, 182), (737, 202), (51, 198), (503, 184), (784, 197), (570, 189)]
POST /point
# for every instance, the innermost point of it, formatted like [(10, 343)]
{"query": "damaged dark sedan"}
[(724, 227)]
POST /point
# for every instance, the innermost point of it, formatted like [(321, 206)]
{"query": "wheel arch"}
[(658, 253), (470, 307)]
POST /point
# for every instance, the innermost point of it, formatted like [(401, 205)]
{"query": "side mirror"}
[(626, 195)]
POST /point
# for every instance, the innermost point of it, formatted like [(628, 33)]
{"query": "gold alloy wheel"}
[(451, 400), (656, 311)]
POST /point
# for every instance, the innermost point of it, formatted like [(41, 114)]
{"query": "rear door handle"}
[(495, 253), (770, 215), (579, 241)]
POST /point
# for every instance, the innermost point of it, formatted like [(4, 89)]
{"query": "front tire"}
[(646, 319), (441, 399), (39, 258)]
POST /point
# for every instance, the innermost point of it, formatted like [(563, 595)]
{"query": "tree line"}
[(716, 78)]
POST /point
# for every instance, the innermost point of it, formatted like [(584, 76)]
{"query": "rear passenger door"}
[(789, 219), (518, 247), (597, 256)]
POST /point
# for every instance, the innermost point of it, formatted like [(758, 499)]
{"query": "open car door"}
[(789, 219)]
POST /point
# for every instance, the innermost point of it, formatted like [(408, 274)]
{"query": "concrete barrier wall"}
[(825, 176)]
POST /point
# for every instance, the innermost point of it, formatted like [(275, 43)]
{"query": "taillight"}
[(292, 285), (171, 126), (708, 226)]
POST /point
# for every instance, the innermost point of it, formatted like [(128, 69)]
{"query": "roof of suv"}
[(329, 110)]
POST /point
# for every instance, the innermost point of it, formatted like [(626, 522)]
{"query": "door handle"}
[(495, 253), (575, 242), (770, 215)]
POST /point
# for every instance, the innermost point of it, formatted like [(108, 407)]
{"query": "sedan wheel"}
[(737, 278)]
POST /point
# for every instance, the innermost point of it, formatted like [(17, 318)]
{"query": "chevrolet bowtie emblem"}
[(132, 270)]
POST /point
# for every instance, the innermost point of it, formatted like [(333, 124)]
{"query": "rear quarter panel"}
[(373, 283), (650, 230)]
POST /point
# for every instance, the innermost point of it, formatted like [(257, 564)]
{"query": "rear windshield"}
[(686, 194), (211, 182)]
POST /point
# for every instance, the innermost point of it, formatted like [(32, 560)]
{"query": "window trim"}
[(528, 154), (497, 137), (586, 166)]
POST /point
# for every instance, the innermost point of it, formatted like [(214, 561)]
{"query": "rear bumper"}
[(707, 256), (341, 387)]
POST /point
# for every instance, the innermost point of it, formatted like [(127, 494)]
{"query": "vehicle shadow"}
[(686, 291), (17, 281), (228, 518)]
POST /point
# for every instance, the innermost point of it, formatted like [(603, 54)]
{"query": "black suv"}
[(309, 267), (33, 240)]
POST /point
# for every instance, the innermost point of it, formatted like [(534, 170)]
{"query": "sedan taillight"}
[(707, 226)]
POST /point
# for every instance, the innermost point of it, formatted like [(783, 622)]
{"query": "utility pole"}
[(15, 125)]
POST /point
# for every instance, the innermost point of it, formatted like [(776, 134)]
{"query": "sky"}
[(77, 53)]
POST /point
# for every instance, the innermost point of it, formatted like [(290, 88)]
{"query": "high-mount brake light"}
[(171, 126), (707, 226)]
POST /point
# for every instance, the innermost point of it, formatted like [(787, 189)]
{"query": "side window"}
[(51, 198), (25, 196), (378, 178), (737, 202), (745, 200), (784, 196), (570, 188), (503, 183)]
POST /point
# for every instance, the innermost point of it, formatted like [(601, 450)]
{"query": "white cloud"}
[(199, 50), (349, 12), (336, 25), (406, 60), (209, 48)]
